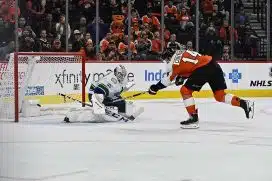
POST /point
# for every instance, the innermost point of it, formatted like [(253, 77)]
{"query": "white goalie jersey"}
[(110, 86)]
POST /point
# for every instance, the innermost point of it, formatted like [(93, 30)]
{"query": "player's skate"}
[(248, 107), (191, 123)]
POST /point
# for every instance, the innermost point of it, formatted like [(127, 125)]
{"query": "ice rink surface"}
[(226, 147)]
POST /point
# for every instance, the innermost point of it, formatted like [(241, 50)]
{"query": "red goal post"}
[(26, 62)]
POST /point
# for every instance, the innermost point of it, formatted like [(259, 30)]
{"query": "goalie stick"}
[(108, 110)]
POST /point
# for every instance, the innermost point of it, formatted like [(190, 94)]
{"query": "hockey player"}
[(198, 69), (106, 99)]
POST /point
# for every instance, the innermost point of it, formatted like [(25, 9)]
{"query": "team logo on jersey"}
[(235, 76), (114, 80)]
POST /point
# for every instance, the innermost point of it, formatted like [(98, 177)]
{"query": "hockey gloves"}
[(179, 80), (155, 88)]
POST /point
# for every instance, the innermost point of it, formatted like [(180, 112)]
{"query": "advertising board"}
[(251, 79)]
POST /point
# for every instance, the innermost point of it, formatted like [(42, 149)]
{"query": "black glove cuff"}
[(160, 86), (179, 80)]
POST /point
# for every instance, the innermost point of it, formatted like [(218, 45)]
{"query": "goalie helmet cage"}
[(31, 59)]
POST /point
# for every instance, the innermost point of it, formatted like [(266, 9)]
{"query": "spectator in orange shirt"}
[(117, 27), (105, 42), (226, 31), (7, 10), (152, 20), (167, 35), (182, 17), (207, 7), (156, 48), (123, 49), (169, 12), (109, 54), (135, 29), (135, 17), (170, 9)]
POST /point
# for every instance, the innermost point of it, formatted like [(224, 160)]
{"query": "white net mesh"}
[(6, 89), (40, 77)]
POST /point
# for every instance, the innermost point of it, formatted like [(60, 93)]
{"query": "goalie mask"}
[(120, 73)]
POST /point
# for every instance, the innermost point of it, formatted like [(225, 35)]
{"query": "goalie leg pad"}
[(110, 117), (132, 110), (98, 106), (81, 114), (126, 108), (72, 115)]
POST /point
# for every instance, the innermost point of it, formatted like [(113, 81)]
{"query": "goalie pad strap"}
[(121, 105)]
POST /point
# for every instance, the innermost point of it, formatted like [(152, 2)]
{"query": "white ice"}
[(226, 147)]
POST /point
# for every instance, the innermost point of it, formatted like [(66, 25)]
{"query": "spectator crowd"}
[(42, 28)]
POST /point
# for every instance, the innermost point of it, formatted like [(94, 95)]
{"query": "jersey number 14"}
[(193, 59)]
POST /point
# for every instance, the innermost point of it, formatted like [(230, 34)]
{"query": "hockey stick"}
[(135, 95), (129, 97), (76, 100), (108, 110)]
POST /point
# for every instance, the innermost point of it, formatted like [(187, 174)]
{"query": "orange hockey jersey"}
[(184, 63)]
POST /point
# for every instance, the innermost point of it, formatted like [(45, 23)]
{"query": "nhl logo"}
[(270, 72)]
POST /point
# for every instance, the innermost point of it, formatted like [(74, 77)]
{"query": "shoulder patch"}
[(114, 80)]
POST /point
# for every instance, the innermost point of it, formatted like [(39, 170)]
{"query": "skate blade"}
[(190, 126), (251, 112)]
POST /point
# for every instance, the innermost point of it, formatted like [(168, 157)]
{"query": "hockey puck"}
[(66, 119)]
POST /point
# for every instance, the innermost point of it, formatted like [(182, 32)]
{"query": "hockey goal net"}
[(39, 76)]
